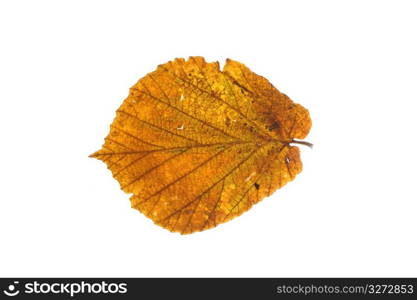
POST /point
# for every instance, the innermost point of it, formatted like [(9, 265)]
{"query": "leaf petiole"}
[(293, 141)]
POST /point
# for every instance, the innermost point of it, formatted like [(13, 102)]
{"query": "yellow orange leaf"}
[(198, 146)]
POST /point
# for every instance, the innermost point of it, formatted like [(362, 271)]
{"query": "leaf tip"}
[(94, 155)]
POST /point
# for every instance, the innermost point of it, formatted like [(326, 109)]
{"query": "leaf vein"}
[(260, 131), (154, 126), (209, 188)]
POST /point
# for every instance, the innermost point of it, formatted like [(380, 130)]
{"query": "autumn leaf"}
[(198, 146)]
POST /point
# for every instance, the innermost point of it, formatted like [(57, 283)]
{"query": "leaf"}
[(197, 146)]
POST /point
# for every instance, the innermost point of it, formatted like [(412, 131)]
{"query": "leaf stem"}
[(301, 143)]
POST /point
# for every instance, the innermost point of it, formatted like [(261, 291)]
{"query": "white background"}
[(66, 66)]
